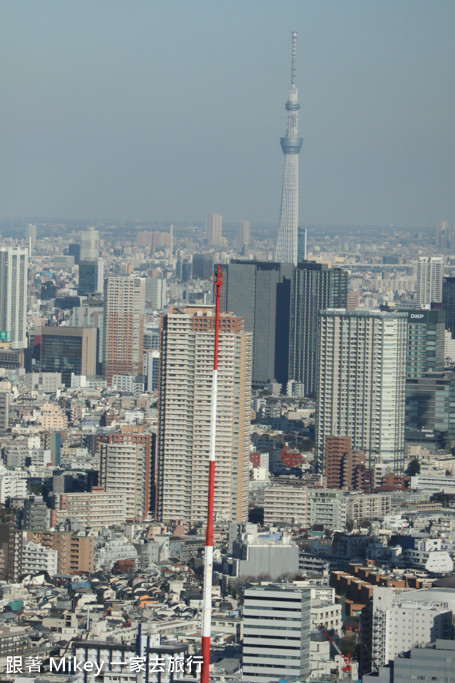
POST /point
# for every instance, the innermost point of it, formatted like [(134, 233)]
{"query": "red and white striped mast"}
[(208, 553)]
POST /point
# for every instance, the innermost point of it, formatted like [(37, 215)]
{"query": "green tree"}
[(413, 468)]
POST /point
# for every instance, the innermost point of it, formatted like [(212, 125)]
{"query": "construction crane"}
[(346, 668)]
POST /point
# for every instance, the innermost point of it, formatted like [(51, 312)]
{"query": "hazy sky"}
[(171, 109)]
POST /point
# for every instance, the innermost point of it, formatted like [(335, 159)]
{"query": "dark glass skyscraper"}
[(448, 303), (260, 293), (315, 287)]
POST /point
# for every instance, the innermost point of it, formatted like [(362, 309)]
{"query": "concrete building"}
[(286, 504), (95, 509), (361, 386), (12, 485), (13, 295), (53, 417), (36, 514), (47, 382), (367, 506), (124, 305), (243, 233), (10, 553), (126, 468), (400, 621), (68, 350), (75, 552), (328, 508), (214, 228), (430, 270), (266, 554), (315, 287), (343, 468), (435, 662), (36, 558), (185, 410), (4, 410), (276, 633)]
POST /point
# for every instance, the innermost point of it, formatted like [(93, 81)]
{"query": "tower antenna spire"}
[(294, 54), (287, 244)]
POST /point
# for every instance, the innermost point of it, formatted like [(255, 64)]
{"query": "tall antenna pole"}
[(208, 554), (294, 53)]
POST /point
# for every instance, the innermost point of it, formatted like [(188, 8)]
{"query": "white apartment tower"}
[(287, 244), (430, 270), (243, 233), (90, 244), (187, 335), (361, 383), (214, 226), (13, 294)]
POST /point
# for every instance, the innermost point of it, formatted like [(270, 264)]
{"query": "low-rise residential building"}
[(93, 509)]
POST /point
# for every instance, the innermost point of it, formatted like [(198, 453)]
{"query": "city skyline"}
[(91, 132)]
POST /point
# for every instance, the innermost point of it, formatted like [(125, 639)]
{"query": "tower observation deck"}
[(286, 251)]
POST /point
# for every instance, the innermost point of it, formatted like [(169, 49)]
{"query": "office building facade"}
[(68, 350), (448, 303), (361, 384), (91, 277), (425, 342), (260, 293), (124, 307), (276, 633), (184, 416), (13, 295)]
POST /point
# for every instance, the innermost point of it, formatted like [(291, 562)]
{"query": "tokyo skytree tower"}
[(286, 251)]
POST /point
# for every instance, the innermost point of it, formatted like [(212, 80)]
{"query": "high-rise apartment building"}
[(444, 235), (276, 633), (343, 467), (214, 226), (124, 305), (314, 287), (187, 335), (362, 382), (4, 410), (126, 468), (430, 270), (260, 293), (243, 233), (91, 277), (90, 245), (68, 350), (287, 243), (13, 295)]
